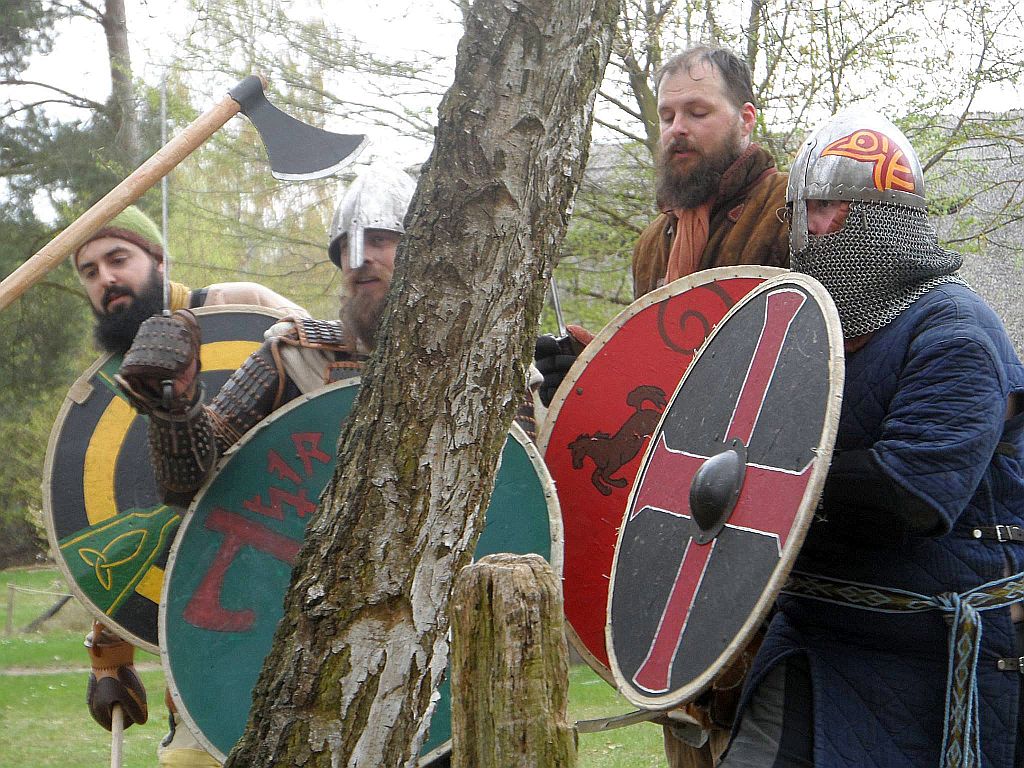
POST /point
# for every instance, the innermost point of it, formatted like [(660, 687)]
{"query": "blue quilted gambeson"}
[(928, 396)]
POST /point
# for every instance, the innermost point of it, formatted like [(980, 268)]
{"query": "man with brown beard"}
[(719, 194), (722, 202), (721, 198)]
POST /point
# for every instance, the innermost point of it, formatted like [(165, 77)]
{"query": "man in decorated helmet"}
[(897, 640)]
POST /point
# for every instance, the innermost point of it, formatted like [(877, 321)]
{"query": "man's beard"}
[(362, 315), (690, 189), (115, 331)]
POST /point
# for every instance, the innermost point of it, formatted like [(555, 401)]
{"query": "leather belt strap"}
[(1001, 533)]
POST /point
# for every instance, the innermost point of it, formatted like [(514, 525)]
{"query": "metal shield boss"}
[(231, 564), (108, 527), (600, 421), (726, 490)]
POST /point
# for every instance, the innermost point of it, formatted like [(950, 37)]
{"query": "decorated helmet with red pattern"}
[(856, 155)]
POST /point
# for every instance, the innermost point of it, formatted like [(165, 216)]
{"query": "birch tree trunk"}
[(363, 642)]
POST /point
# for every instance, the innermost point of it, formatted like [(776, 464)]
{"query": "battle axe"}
[(296, 151)]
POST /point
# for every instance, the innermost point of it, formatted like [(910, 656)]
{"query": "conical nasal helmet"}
[(377, 199)]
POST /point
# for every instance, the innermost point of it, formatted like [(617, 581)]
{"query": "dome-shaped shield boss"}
[(715, 488), (855, 155), (377, 199)]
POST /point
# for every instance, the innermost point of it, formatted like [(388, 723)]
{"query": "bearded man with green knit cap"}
[(121, 268)]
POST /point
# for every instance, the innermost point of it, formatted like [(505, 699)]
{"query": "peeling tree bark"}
[(364, 638)]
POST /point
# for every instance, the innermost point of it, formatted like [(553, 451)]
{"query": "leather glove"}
[(166, 349), (113, 679), (555, 356)]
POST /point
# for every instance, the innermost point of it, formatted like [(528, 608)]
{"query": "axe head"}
[(296, 150)]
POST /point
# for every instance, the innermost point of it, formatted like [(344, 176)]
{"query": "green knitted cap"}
[(132, 225)]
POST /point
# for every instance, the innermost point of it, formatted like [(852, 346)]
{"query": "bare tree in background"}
[(924, 63)]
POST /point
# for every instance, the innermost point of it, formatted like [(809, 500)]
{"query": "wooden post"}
[(10, 609), (509, 667)]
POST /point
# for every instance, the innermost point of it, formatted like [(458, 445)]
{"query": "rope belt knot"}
[(961, 745)]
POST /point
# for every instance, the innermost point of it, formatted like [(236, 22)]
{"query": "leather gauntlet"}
[(113, 680), (160, 372)]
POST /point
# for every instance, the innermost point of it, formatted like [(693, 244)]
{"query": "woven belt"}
[(961, 746)]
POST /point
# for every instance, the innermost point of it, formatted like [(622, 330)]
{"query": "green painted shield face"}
[(231, 565)]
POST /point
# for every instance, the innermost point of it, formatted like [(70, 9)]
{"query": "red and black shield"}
[(602, 417), (725, 493), (108, 528)]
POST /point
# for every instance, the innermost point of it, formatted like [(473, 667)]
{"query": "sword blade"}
[(556, 305)]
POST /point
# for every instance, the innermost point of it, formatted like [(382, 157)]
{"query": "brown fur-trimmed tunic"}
[(745, 227)]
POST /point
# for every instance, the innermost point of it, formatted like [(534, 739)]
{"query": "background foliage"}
[(928, 64)]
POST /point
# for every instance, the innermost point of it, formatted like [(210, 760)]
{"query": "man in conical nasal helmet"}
[(300, 355), (366, 228), (897, 640)]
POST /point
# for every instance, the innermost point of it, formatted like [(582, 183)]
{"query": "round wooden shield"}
[(601, 418), (230, 566), (108, 527), (727, 488)]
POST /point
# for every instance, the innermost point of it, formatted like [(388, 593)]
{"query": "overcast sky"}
[(79, 61)]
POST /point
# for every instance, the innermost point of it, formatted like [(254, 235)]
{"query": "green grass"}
[(637, 746), (45, 723), (41, 585), (43, 675)]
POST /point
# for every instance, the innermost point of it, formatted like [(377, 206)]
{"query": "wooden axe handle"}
[(116, 200), (116, 736)]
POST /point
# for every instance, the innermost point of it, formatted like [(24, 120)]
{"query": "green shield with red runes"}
[(602, 417), (108, 527), (231, 565), (726, 489)]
